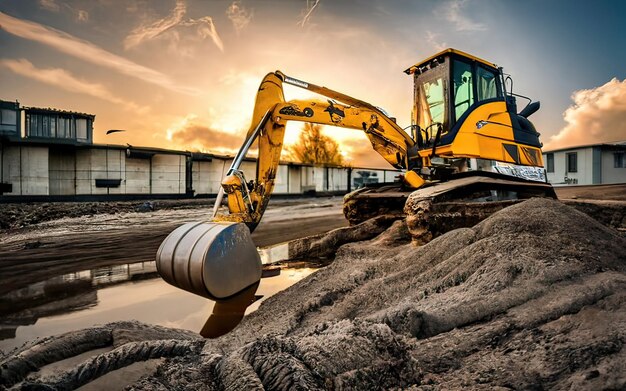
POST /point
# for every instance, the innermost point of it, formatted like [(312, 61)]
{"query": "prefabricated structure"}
[(592, 164)]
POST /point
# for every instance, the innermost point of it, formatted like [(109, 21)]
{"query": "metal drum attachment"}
[(214, 260)]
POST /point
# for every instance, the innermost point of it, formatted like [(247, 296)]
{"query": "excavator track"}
[(430, 211)]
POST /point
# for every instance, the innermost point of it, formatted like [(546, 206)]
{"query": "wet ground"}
[(77, 272), (113, 293), (36, 252)]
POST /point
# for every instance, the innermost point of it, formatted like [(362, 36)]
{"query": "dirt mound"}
[(533, 297)]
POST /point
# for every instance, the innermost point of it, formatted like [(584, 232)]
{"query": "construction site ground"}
[(533, 297)]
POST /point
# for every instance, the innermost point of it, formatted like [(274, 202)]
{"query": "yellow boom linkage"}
[(247, 202)]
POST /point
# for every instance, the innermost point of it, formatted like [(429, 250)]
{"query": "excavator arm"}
[(248, 200)]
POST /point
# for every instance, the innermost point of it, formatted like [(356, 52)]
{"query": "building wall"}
[(93, 164), (295, 179), (168, 174), (364, 176), (137, 176), (584, 174), (83, 171), (282, 177), (610, 173), (595, 166), (307, 179), (65, 171), (62, 172), (26, 168), (201, 174)]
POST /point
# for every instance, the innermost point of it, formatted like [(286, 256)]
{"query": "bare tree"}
[(316, 148)]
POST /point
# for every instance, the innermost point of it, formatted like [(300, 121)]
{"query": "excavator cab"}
[(461, 110)]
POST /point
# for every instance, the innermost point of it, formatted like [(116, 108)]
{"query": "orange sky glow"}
[(183, 74)]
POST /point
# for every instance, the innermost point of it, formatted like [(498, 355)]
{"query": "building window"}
[(550, 162), (8, 117), (572, 162), (81, 128), (618, 160), (63, 129)]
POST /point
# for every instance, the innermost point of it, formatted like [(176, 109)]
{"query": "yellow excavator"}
[(462, 113)]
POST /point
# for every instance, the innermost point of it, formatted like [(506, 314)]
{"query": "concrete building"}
[(48, 154), (586, 165)]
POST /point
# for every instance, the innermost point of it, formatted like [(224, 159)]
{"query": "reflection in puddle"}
[(125, 292), (65, 293), (229, 312)]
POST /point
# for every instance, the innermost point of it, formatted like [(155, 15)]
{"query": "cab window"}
[(431, 98), (486, 84), (463, 88)]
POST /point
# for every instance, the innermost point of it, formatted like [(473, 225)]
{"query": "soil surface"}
[(615, 192), (533, 297)]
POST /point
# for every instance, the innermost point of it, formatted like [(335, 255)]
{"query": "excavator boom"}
[(246, 203)]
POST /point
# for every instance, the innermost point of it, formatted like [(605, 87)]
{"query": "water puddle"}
[(132, 291)]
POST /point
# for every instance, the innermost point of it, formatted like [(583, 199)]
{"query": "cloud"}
[(143, 33), (310, 7), (192, 133), (82, 16), (49, 5), (239, 15), (89, 52), (433, 40), (598, 115), (65, 80), (53, 6), (204, 27), (453, 13)]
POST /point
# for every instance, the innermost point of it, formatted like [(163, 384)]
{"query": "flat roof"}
[(412, 69), (57, 111), (618, 144)]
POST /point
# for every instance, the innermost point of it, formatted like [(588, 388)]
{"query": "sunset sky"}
[(183, 73)]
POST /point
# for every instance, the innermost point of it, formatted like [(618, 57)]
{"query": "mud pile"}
[(533, 297)]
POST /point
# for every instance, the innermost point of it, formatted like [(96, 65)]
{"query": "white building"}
[(587, 164), (48, 154)]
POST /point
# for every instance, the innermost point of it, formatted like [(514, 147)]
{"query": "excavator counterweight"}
[(463, 120)]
